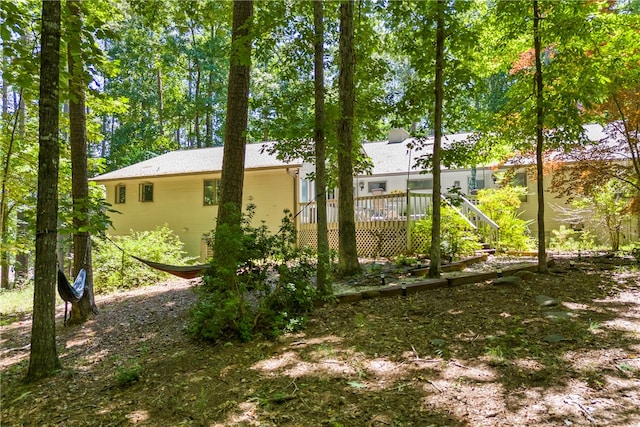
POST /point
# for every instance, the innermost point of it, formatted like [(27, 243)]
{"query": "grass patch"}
[(15, 302)]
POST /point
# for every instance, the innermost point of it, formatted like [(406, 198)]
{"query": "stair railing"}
[(487, 228)]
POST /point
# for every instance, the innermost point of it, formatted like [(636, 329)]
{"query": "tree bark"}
[(160, 100), (86, 307), (347, 251), (4, 199), (434, 253), (322, 273), (209, 112), (235, 139), (44, 356), (196, 97), (542, 250), (22, 257), (196, 102), (4, 278)]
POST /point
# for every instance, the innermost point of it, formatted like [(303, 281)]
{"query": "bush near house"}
[(114, 270), (273, 291), (501, 205), (457, 238), (567, 239)]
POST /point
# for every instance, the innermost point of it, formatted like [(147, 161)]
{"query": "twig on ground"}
[(584, 410), (435, 386)]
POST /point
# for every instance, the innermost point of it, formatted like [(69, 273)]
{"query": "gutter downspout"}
[(295, 173)]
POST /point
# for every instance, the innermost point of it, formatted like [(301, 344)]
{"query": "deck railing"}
[(384, 222), (386, 207)]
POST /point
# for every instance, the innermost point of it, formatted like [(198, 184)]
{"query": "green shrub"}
[(567, 239), (501, 205), (404, 260), (113, 270), (457, 238), (272, 292), (128, 374)]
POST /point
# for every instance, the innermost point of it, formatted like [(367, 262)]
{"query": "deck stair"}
[(485, 227)]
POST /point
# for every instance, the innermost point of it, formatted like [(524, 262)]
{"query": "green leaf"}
[(356, 384)]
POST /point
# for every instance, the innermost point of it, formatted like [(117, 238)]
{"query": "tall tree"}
[(85, 308), (44, 356), (17, 149), (545, 46), (438, 85), (347, 252), (322, 273), (434, 253), (5, 207), (539, 105), (228, 222)]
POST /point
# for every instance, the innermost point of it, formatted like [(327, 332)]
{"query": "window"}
[(421, 184), (520, 180), (307, 190), (146, 192), (479, 185), (377, 186), (211, 192), (121, 193)]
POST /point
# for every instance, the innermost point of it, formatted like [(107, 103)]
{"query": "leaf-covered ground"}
[(559, 349)]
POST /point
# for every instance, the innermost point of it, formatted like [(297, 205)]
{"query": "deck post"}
[(408, 215)]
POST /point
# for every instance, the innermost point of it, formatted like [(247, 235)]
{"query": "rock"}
[(554, 338), (545, 301), (558, 316), (508, 280)]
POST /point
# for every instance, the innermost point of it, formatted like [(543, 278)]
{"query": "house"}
[(384, 210), (181, 189), (394, 171)]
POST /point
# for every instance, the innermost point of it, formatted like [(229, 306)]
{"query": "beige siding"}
[(178, 202)]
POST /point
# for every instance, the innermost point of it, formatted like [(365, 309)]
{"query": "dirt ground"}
[(553, 350)]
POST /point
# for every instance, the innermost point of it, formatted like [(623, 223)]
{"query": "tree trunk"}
[(434, 254), (85, 308), (5, 91), (4, 200), (322, 273), (4, 279), (4, 255), (232, 179), (196, 97), (160, 101), (209, 113), (347, 251), (542, 250), (196, 103), (44, 356), (22, 257)]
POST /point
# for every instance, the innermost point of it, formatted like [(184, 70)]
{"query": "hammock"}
[(68, 292), (184, 271)]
